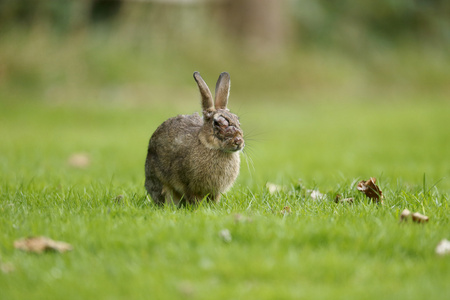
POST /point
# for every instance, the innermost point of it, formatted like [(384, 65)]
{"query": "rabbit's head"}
[(221, 128)]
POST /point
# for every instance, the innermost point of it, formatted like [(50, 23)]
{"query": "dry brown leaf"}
[(338, 199), (346, 200), (79, 160), (7, 267), (443, 247), (405, 215), (118, 199), (186, 289), (416, 217), (273, 188), (238, 218), (316, 195), (371, 190), (225, 235), (286, 210), (419, 218), (40, 244)]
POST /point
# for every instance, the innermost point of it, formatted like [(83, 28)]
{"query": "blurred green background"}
[(326, 90)]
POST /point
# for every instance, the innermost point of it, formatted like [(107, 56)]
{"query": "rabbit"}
[(191, 158)]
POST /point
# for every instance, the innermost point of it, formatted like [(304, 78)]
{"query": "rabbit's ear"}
[(222, 91), (207, 100)]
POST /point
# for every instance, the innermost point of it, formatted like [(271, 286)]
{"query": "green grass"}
[(132, 249), (313, 119)]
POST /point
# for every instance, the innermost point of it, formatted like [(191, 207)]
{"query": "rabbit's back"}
[(171, 145), (176, 133)]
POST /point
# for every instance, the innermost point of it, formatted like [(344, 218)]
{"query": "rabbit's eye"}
[(221, 122)]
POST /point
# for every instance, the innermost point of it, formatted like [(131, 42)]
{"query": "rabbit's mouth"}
[(238, 143), (231, 138), (234, 144)]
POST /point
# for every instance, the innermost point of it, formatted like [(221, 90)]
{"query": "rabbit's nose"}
[(238, 141)]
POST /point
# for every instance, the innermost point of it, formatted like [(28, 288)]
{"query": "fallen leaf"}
[(405, 215), (316, 195), (346, 200), (443, 247), (371, 190), (225, 235), (416, 217), (79, 160), (238, 218), (337, 198), (7, 267), (419, 218), (286, 210), (40, 244), (273, 188), (186, 289), (118, 199)]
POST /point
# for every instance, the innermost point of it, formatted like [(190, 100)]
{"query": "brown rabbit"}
[(190, 157)]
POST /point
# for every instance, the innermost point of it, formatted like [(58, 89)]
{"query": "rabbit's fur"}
[(190, 157)]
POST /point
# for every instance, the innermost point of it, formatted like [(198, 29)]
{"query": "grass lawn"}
[(127, 248)]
